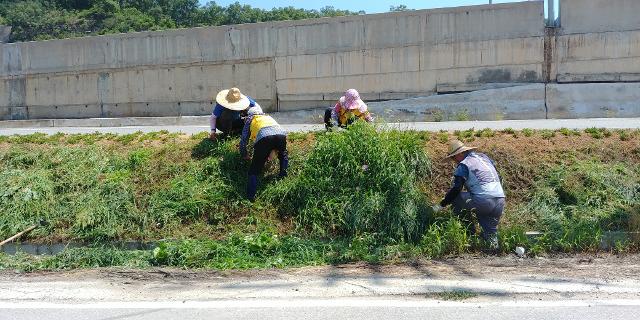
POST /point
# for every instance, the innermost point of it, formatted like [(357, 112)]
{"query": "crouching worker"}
[(349, 108), (268, 137), (226, 115), (485, 196)]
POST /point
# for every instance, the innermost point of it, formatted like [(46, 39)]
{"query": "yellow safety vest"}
[(345, 115), (259, 122)]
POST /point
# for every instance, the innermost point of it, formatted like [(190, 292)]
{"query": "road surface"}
[(574, 287), (338, 309), (611, 123)]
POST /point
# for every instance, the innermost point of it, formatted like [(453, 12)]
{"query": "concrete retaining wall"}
[(583, 16), (534, 101), (295, 65), (284, 65), (593, 100), (599, 41), (513, 103)]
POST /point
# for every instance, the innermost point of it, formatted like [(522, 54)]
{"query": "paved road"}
[(581, 287), (618, 123), (337, 309)]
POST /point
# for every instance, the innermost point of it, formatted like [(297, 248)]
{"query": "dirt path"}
[(549, 278), (602, 266)]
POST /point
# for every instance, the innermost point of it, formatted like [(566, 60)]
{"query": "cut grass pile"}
[(355, 195)]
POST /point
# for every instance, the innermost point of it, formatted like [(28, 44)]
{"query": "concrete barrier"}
[(584, 16), (513, 103), (289, 65), (299, 65), (593, 100), (598, 41)]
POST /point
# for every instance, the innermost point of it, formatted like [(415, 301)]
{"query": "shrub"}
[(241, 251), (462, 115), (509, 131), (445, 238), (547, 134), (598, 133), (358, 181), (466, 135), (485, 133), (511, 237), (589, 192)]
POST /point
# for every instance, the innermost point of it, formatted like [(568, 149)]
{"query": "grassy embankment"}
[(355, 195)]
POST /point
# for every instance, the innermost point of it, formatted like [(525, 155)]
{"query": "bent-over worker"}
[(226, 115), (485, 196), (349, 108), (268, 136)]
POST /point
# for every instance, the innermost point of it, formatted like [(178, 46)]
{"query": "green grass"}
[(351, 195), (458, 295), (358, 181), (598, 133)]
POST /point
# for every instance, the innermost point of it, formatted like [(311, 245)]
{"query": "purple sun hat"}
[(351, 99)]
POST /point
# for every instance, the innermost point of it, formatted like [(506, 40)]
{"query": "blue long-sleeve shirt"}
[(218, 109)]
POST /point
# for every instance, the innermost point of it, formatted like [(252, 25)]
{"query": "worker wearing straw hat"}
[(484, 196), (226, 116), (349, 108)]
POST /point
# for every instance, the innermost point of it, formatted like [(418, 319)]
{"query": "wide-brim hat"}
[(233, 99), (351, 105), (351, 100), (457, 147)]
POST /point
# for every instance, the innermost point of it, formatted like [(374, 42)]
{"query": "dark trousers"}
[(327, 118), (261, 151), (488, 212), (230, 127), (328, 123)]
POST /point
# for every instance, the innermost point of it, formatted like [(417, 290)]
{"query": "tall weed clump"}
[(358, 181), (95, 193), (576, 203), (80, 190)]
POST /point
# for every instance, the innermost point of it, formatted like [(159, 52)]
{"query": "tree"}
[(129, 20), (183, 12), (211, 15), (51, 19), (74, 4), (399, 8), (330, 11)]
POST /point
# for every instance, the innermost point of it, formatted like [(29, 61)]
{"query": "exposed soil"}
[(604, 267)]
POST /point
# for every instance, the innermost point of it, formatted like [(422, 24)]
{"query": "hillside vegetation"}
[(57, 19), (361, 194)]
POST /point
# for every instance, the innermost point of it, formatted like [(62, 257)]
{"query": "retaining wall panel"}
[(582, 16)]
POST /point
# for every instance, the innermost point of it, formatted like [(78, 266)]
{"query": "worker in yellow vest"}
[(268, 136), (349, 108)]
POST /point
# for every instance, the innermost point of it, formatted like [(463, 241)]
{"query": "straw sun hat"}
[(456, 147), (232, 99)]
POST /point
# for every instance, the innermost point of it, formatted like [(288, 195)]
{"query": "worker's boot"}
[(252, 188), (284, 164), (491, 244)]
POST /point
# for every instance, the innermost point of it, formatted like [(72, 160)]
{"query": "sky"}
[(370, 6)]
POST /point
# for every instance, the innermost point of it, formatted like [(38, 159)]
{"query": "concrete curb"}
[(55, 248), (108, 122)]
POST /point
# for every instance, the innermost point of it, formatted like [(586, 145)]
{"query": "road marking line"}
[(315, 303)]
